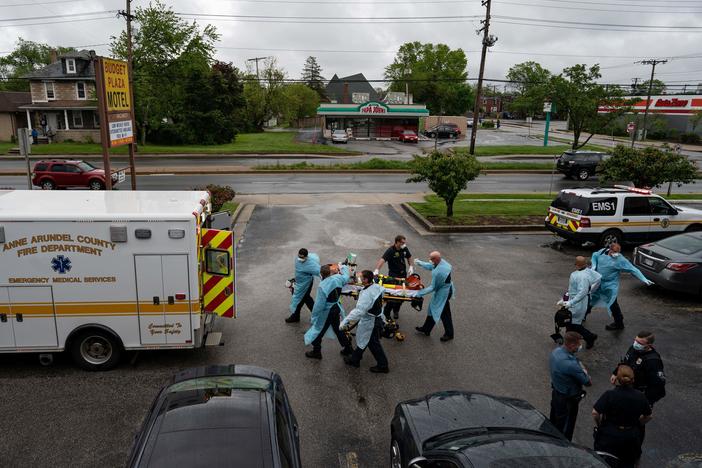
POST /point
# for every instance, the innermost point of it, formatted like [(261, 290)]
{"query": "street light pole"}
[(653, 63), (488, 41)]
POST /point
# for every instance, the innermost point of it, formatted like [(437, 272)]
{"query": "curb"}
[(98, 157), (306, 171), (428, 225), (237, 212)]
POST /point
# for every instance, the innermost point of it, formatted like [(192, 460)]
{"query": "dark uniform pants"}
[(623, 443), (333, 320), (392, 307), (445, 319), (564, 412), (374, 346), (617, 315), (306, 300), (587, 335)]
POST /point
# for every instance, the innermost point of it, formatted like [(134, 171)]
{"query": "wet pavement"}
[(503, 312)]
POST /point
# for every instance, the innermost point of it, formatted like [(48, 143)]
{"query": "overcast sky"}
[(616, 49)]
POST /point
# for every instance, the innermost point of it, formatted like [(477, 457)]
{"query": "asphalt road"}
[(503, 313), (343, 183)]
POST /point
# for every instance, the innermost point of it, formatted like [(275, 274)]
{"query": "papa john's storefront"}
[(371, 120)]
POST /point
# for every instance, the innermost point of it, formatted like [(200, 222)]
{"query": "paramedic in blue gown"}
[(442, 288), (306, 269)]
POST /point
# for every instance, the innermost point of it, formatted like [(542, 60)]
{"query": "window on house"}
[(96, 120), (77, 119), (49, 88), (80, 89), (70, 65)]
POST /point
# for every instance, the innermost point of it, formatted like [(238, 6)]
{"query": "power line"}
[(628, 4), (30, 18), (76, 47), (531, 25), (601, 9), (321, 18), (55, 22), (520, 18), (39, 3)]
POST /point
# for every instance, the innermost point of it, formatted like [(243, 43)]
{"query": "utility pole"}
[(488, 41), (256, 59), (130, 59), (653, 63)]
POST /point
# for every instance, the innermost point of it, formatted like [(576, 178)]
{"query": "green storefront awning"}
[(373, 109)]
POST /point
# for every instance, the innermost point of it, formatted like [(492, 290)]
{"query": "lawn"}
[(229, 206), (471, 211), (5, 146), (499, 150), (245, 143), (385, 164)]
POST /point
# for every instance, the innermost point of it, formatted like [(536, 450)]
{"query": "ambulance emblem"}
[(61, 264)]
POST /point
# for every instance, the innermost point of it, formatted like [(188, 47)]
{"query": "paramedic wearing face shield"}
[(442, 287), (397, 257), (327, 312), (582, 281), (610, 263), (368, 315), (306, 269)]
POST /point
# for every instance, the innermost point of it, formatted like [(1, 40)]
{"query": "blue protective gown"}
[(305, 272), (326, 298), (610, 268), (361, 314), (579, 286), (441, 286)]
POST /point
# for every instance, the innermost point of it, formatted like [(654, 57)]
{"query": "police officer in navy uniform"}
[(397, 257), (647, 364)]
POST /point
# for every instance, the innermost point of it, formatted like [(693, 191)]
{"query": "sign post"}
[(116, 111), (631, 128), (547, 109), (23, 135)]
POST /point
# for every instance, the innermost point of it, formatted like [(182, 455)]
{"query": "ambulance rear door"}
[(218, 272)]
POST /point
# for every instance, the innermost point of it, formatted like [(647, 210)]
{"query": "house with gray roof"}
[(352, 89), (63, 100)]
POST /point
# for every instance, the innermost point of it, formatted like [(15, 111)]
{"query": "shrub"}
[(488, 124), (219, 195), (691, 138)]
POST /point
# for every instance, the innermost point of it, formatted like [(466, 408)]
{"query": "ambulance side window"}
[(636, 206), (217, 262)]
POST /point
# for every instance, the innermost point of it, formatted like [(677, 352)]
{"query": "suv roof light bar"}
[(634, 189)]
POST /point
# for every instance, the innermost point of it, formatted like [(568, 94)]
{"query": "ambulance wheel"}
[(95, 349), (610, 237)]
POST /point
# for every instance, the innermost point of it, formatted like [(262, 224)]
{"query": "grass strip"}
[(388, 164), (486, 213)]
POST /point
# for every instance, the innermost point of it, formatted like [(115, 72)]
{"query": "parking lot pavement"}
[(503, 312)]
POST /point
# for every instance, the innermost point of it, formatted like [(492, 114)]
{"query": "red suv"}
[(57, 173)]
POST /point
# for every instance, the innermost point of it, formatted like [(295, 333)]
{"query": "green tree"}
[(312, 75), (166, 50), (530, 81), (696, 119), (576, 93), (265, 97), (641, 89), (27, 57), (649, 167), (436, 76), (447, 173), (300, 102)]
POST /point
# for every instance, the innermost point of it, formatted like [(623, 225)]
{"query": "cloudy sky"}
[(556, 33)]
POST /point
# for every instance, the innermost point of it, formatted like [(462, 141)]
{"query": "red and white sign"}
[(671, 105), (630, 127), (373, 108)]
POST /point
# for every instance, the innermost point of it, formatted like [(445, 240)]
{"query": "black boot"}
[(347, 351), (292, 319), (349, 361), (446, 338), (614, 326), (380, 370), (421, 330), (314, 354)]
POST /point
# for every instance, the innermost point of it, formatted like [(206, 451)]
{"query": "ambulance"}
[(97, 273)]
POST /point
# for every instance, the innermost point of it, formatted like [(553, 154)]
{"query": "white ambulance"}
[(96, 273)]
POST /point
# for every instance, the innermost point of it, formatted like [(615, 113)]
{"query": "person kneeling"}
[(368, 315)]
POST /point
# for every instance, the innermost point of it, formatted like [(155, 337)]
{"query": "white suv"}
[(618, 214)]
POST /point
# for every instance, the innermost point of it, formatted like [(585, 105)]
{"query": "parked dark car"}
[(673, 263), (447, 130), (59, 173), (219, 416), (454, 429), (579, 164)]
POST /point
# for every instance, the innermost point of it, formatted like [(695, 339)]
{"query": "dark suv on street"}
[(447, 130), (58, 173), (579, 164)]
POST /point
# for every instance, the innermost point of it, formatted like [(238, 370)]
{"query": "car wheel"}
[(47, 185), (95, 350), (432, 135), (610, 237), (583, 174), (395, 455), (96, 185)]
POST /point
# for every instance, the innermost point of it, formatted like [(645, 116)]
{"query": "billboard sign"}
[(116, 101)]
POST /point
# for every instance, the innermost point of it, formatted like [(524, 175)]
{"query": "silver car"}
[(674, 263), (340, 136)]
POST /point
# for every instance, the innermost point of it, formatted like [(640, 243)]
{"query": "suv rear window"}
[(40, 167), (601, 206)]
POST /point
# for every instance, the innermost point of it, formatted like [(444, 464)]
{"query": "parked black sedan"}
[(455, 429), (447, 130), (673, 263), (219, 416)]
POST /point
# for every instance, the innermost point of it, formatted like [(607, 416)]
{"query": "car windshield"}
[(339, 132), (408, 132), (239, 382), (687, 244), (85, 167)]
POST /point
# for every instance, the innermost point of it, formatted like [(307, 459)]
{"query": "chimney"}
[(345, 95), (53, 56)]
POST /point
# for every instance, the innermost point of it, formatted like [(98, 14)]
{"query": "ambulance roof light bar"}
[(634, 189)]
